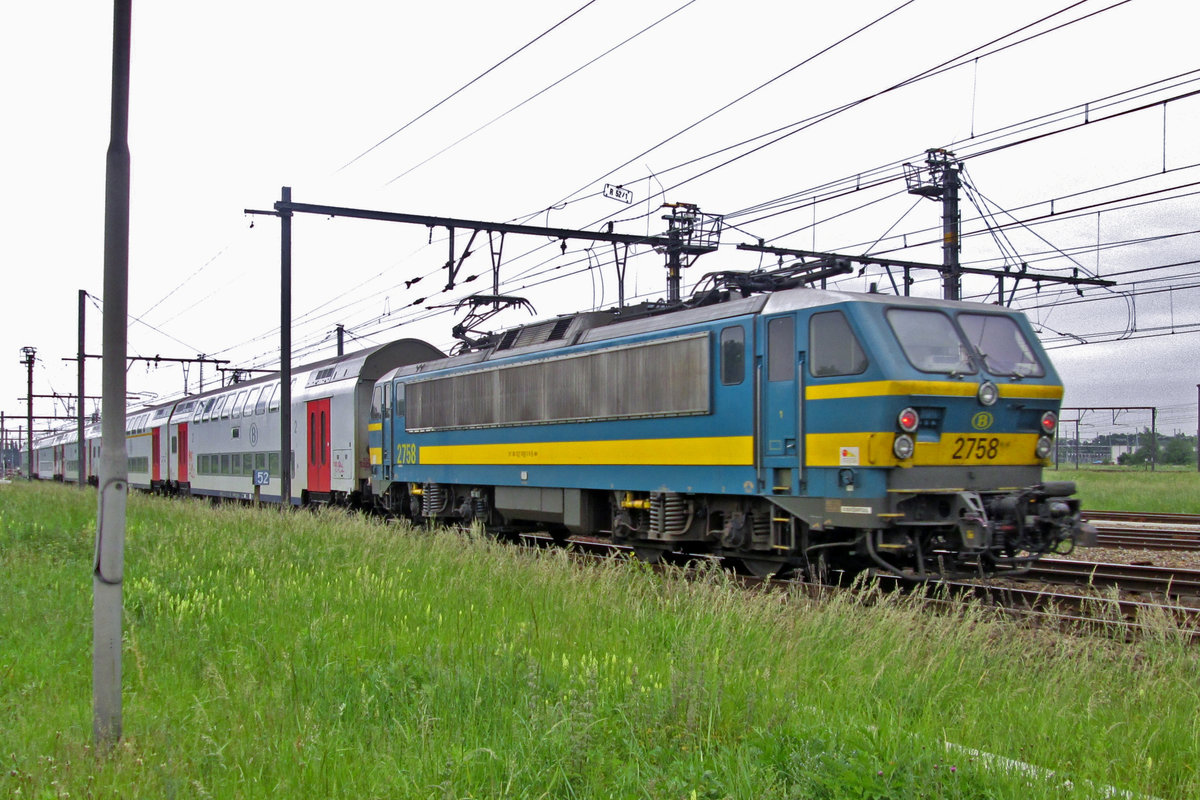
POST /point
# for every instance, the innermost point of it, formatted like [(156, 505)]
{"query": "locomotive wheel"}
[(763, 567)]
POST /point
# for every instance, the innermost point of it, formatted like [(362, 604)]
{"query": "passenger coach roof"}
[(371, 364)]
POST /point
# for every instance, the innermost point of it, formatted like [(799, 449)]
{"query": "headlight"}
[(1049, 422), (988, 393), (903, 447), (1044, 446), (908, 420)]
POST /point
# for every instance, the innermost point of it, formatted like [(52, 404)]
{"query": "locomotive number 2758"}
[(406, 454), (976, 447)]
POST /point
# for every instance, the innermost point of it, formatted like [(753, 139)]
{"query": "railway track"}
[(1042, 605), (1146, 530), (1165, 582), (1089, 612), (1142, 516)]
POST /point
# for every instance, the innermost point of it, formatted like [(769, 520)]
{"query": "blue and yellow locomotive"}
[(791, 430)]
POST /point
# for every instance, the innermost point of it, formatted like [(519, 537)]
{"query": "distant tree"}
[(1179, 450), (1148, 449)]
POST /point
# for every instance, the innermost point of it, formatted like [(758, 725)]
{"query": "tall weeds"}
[(300, 654)]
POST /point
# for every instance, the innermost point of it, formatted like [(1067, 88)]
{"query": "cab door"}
[(318, 445), (389, 453), (781, 391)]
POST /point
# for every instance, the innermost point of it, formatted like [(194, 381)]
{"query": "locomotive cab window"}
[(781, 349), (1003, 346), (930, 341), (377, 404), (833, 348), (733, 355), (398, 400)]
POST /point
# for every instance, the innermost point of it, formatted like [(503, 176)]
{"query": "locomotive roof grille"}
[(538, 333)]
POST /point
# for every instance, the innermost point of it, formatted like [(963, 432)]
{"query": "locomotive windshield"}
[(1004, 348), (930, 341)]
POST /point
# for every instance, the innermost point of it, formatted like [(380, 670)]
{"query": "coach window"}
[(274, 404), (781, 349), (238, 402), (226, 403), (261, 406), (832, 346), (208, 407), (733, 355), (251, 400)]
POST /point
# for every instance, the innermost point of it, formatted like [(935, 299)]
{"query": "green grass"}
[(1134, 489), (316, 655)]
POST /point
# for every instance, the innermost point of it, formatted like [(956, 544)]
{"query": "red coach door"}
[(156, 454), (318, 445), (183, 453)]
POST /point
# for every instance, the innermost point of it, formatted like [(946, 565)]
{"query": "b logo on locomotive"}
[(982, 421)]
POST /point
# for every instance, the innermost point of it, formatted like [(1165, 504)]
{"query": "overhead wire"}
[(468, 84), (542, 91), (736, 100), (945, 66), (527, 273), (559, 81), (920, 76), (974, 50), (890, 170)]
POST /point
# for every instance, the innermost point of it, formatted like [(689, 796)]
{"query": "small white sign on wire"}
[(618, 193)]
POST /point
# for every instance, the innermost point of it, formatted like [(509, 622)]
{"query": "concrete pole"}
[(1153, 437), (81, 445), (109, 565), (285, 349), (952, 282), (29, 352)]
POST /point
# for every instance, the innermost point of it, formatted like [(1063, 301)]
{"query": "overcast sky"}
[(230, 101)]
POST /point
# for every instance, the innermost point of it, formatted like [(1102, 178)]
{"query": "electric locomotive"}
[(796, 430)]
